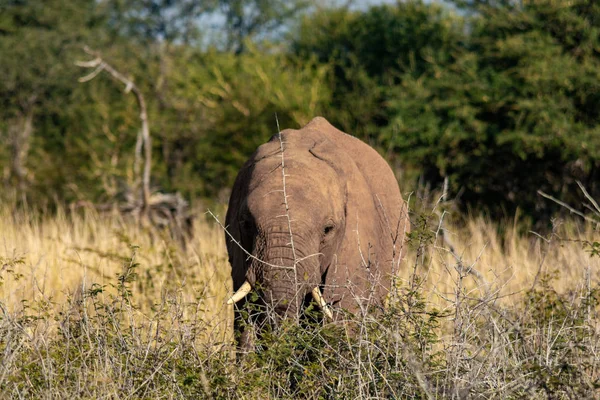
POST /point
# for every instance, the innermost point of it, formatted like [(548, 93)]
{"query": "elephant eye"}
[(328, 229)]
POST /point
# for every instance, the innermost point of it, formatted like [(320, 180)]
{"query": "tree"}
[(246, 20), (514, 113), (371, 50), (35, 39), (152, 21)]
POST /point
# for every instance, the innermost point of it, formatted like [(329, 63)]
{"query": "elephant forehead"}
[(309, 189), (300, 168), (290, 140), (303, 189)]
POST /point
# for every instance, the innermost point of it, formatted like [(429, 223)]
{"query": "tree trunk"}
[(19, 136)]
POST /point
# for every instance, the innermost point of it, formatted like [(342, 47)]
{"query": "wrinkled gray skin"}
[(343, 208)]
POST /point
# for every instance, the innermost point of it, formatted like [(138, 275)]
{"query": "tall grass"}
[(60, 254), (504, 257), (95, 306), (53, 258)]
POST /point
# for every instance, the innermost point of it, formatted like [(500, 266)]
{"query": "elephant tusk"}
[(316, 292), (240, 293)]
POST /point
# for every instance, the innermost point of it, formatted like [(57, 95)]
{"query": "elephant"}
[(314, 214)]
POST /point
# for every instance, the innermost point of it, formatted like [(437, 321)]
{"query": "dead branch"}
[(568, 207), (165, 211), (596, 208), (161, 210), (20, 141), (99, 65)]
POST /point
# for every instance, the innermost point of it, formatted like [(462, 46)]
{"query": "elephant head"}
[(313, 214)]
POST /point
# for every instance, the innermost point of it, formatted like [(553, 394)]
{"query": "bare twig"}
[(565, 205), (237, 243), (590, 198)]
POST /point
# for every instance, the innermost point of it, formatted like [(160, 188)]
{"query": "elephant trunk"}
[(288, 275), (284, 274)]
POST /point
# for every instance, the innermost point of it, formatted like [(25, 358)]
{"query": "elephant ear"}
[(353, 272), (233, 239)]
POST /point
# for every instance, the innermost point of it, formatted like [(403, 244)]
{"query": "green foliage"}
[(39, 44), (8, 267), (512, 114), (593, 248), (148, 21), (249, 19), (499, 98), (573, 327), (224, 106), (35, 40), (201, 103), (370, 51)]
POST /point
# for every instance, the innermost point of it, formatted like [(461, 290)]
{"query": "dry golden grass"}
[(63, 253), (504, 264)]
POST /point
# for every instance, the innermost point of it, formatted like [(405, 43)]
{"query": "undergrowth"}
[(104, 339)]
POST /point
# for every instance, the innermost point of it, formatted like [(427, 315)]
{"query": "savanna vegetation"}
[(484, 109)]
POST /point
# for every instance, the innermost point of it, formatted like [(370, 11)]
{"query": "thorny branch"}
[(287, 209)]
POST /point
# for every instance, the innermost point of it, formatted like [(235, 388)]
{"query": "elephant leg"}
[(248, 320), (247, 339), (242, 328)]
